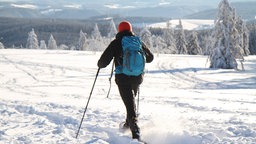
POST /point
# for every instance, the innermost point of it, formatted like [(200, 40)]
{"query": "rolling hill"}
[(247, 10)]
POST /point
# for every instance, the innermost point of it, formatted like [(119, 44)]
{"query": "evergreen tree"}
[(252, 38), (160, 44), (218, 58), (96, 43), (206, 41), (43, 44), (181, 43), (112, 29), (236, 39), (169, 39), (244, 36), (82, 43), (96, 33), (226, 46), (52, 43), (146, 37), (32, 41), (72, 48), (193, 46), (1, 46), (63, 47)]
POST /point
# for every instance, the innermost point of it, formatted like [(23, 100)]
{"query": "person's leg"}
[(128, 99)]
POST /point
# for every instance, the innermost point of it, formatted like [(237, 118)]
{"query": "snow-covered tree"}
[(96, 33), (168, 36), (1, 46), (72, 48), (32, 41), (160, 45), (82, 43), (218, 58), (236, 38), (252, 38), (207, 41), (52, 43), (112, 29), (193, 45), (146, 36), (244, 36), (181, 43), (63, 47), (96, 43), (43, 44), (226, 47)]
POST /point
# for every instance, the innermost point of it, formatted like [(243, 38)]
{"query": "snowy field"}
[(43, 95), (188, 24)]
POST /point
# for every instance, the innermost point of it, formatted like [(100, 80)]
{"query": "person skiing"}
[(128, 85)]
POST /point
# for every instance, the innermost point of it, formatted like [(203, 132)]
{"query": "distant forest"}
[(14, 31)]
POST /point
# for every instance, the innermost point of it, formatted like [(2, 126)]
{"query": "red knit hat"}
[(124, 25)]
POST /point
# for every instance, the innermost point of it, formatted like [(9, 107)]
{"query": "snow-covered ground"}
[(43, 95)]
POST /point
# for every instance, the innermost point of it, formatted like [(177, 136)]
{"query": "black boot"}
[(135, 129), (136, 135), (124, 125)]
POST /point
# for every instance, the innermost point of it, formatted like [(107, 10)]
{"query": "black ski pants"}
[(128, 92), (128, 87)]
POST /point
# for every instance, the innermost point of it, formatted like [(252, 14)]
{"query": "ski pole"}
[(87, 102), (138, 101), (111, 74)]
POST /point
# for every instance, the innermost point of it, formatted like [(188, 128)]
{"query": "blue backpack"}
[(133, 57)]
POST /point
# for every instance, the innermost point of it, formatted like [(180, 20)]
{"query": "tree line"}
[(68, 36)]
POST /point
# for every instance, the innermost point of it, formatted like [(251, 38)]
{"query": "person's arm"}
[(107, 56), (149, 55)]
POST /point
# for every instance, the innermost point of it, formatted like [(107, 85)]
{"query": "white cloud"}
[(163, 2), (112, 6), (126, 7), (51, 11), (28, 6), (117, 6), (75, 6)]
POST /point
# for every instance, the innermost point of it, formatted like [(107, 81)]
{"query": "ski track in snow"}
[(43, 94)]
